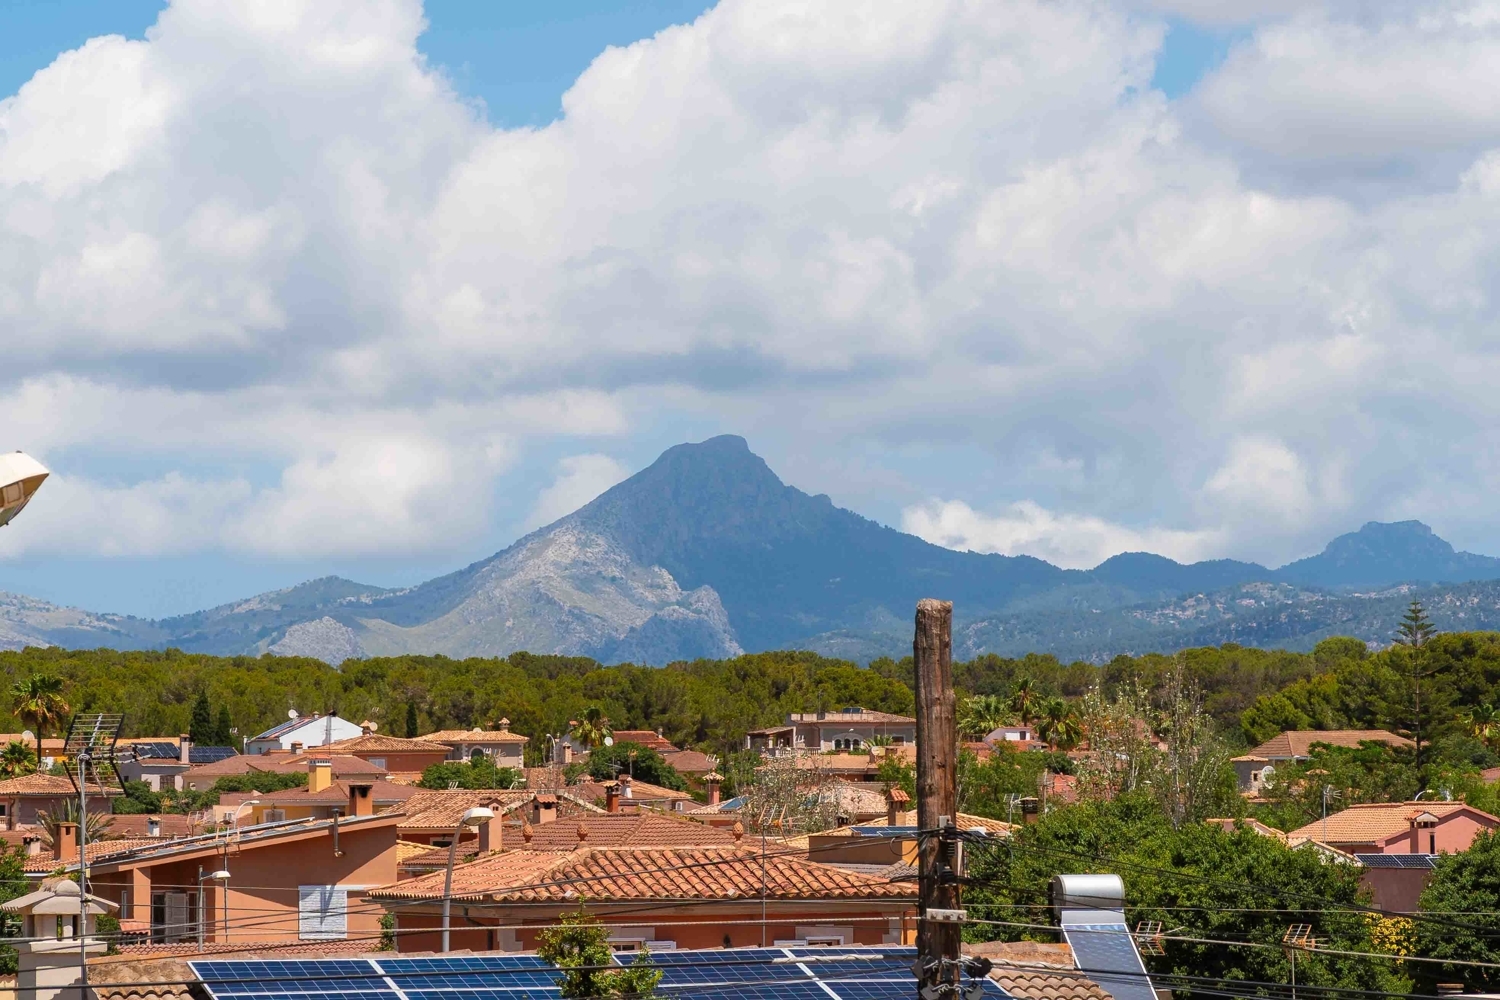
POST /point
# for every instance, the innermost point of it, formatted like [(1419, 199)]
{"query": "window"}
[(275, 815), (321, 912), (1432, 843), (378, 762), (172, 917)]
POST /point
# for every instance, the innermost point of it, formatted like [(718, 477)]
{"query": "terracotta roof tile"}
[(862, 716), (1048, 984), (1298, 742), (634, 873), (645, 738), (386, 792), (41, 864), (475, 736), (380, 743), (1374, 821), (48, 785), (689, 761), (440, 809)]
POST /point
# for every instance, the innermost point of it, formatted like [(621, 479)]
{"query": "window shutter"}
[(321, 912)]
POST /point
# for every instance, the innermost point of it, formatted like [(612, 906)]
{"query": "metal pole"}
[(199, 914), (938, 928), (448, 882), (83, 866)]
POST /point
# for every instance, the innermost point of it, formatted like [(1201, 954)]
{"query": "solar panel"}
[(1107, 953), (476, 972), (290, 979), (806, 989)]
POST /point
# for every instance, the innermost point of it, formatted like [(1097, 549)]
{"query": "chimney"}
[(627, 790), (32, 845), (1030, 808), (504, 725), (567, 753), (65, 843), (490, 835), (319, 775), (153, 826), (361, 799), (185, 749), (896, 801), (365, 730), (711, 782), (296, 747), (543, 809), (612, 796)]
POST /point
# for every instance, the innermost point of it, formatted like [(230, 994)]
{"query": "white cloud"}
[(580, 478), (1073, 541), (270, 237)]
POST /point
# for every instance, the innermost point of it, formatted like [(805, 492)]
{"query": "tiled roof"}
[(635, 873), (476, 736), (1298, 743), (440, 809), (1370, 822), (380, 743), (1024, 953), (1253, 825), (645, 829), (689, 761), (645, 738), (860, 716), (167, 824), (1026, 983), (966, 821), (337, 792), (640, 791), (406, 850), (41, 864), (48, 785), (344, 765)]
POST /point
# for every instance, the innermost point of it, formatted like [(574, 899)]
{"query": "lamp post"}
[(235, 821), (471, 817), (221, 876)]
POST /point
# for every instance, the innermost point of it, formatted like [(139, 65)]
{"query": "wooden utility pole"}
[(938, 928)]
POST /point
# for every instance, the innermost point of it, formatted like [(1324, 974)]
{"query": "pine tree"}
[(411, 720), (224, 729), (1415, 632), (201, 728)]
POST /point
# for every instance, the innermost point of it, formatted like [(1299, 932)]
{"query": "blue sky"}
[(1055, 316)]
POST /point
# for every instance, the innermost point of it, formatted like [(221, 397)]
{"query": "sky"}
[(359, 287)]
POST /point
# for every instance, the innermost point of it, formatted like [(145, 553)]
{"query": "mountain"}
[(1380, 554), (707, 553)]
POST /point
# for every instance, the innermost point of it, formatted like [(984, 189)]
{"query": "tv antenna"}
[(90, 745)]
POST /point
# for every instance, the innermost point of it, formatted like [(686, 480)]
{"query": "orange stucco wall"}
[(263, 889)]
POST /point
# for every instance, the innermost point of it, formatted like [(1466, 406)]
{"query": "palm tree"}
[(593, 728), (98, 825), (1023, 699), (16, 759), (1053, 712), (38, 700), (1483, 722), (982, 714)]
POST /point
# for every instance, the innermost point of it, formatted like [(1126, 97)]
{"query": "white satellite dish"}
[(291, 713), (28, 736), (609, 741), (20, 477)]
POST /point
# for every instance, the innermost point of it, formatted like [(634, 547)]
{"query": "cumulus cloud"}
[(1073, 541), (270, 237)]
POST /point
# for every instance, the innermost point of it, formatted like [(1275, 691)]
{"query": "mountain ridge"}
[(707, 552)]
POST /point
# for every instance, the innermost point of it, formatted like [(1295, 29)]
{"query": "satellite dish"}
[(20, 477), (291, 713), (609, 741), (28, 735)]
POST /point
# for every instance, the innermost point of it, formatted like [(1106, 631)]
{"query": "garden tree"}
[(785, 800), (894, 773), (411, 720), (13, 883), (1414, 633), (16, 759), (1122, 756), (981, 714), (189, 801), (1467, 886), (201, 728), (1224, 886), (138, 798), (1023, 699), (223, 734), (1196, 779), (1371, 772), (1058, 724), (990, 787), (478, 773), (640, 762), (38, 701), (579, 946), (98, 824), (592, 728), (1482, 722)]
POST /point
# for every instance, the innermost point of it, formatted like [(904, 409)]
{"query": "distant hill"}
[(707, 553)]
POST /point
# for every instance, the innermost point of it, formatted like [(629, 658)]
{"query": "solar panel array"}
[(870, 973), (1424, 861), (171, 751)]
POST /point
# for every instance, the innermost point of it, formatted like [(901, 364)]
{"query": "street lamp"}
[(471, 817), (221, 876), (235, 822)]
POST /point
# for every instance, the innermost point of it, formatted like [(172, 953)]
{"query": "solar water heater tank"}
[(1088, 892)]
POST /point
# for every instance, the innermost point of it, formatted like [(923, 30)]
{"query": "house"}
[(304, 731), (321, 798), (1255, 768), (432, 815), (162, 763), (1020, 733), (668, 897), (1034, 970), (503, 747), (48, 753), (1399, 828), (22, 798), (345, 768), (846, 729), (886, 840), (291, 881), (389, 753)]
